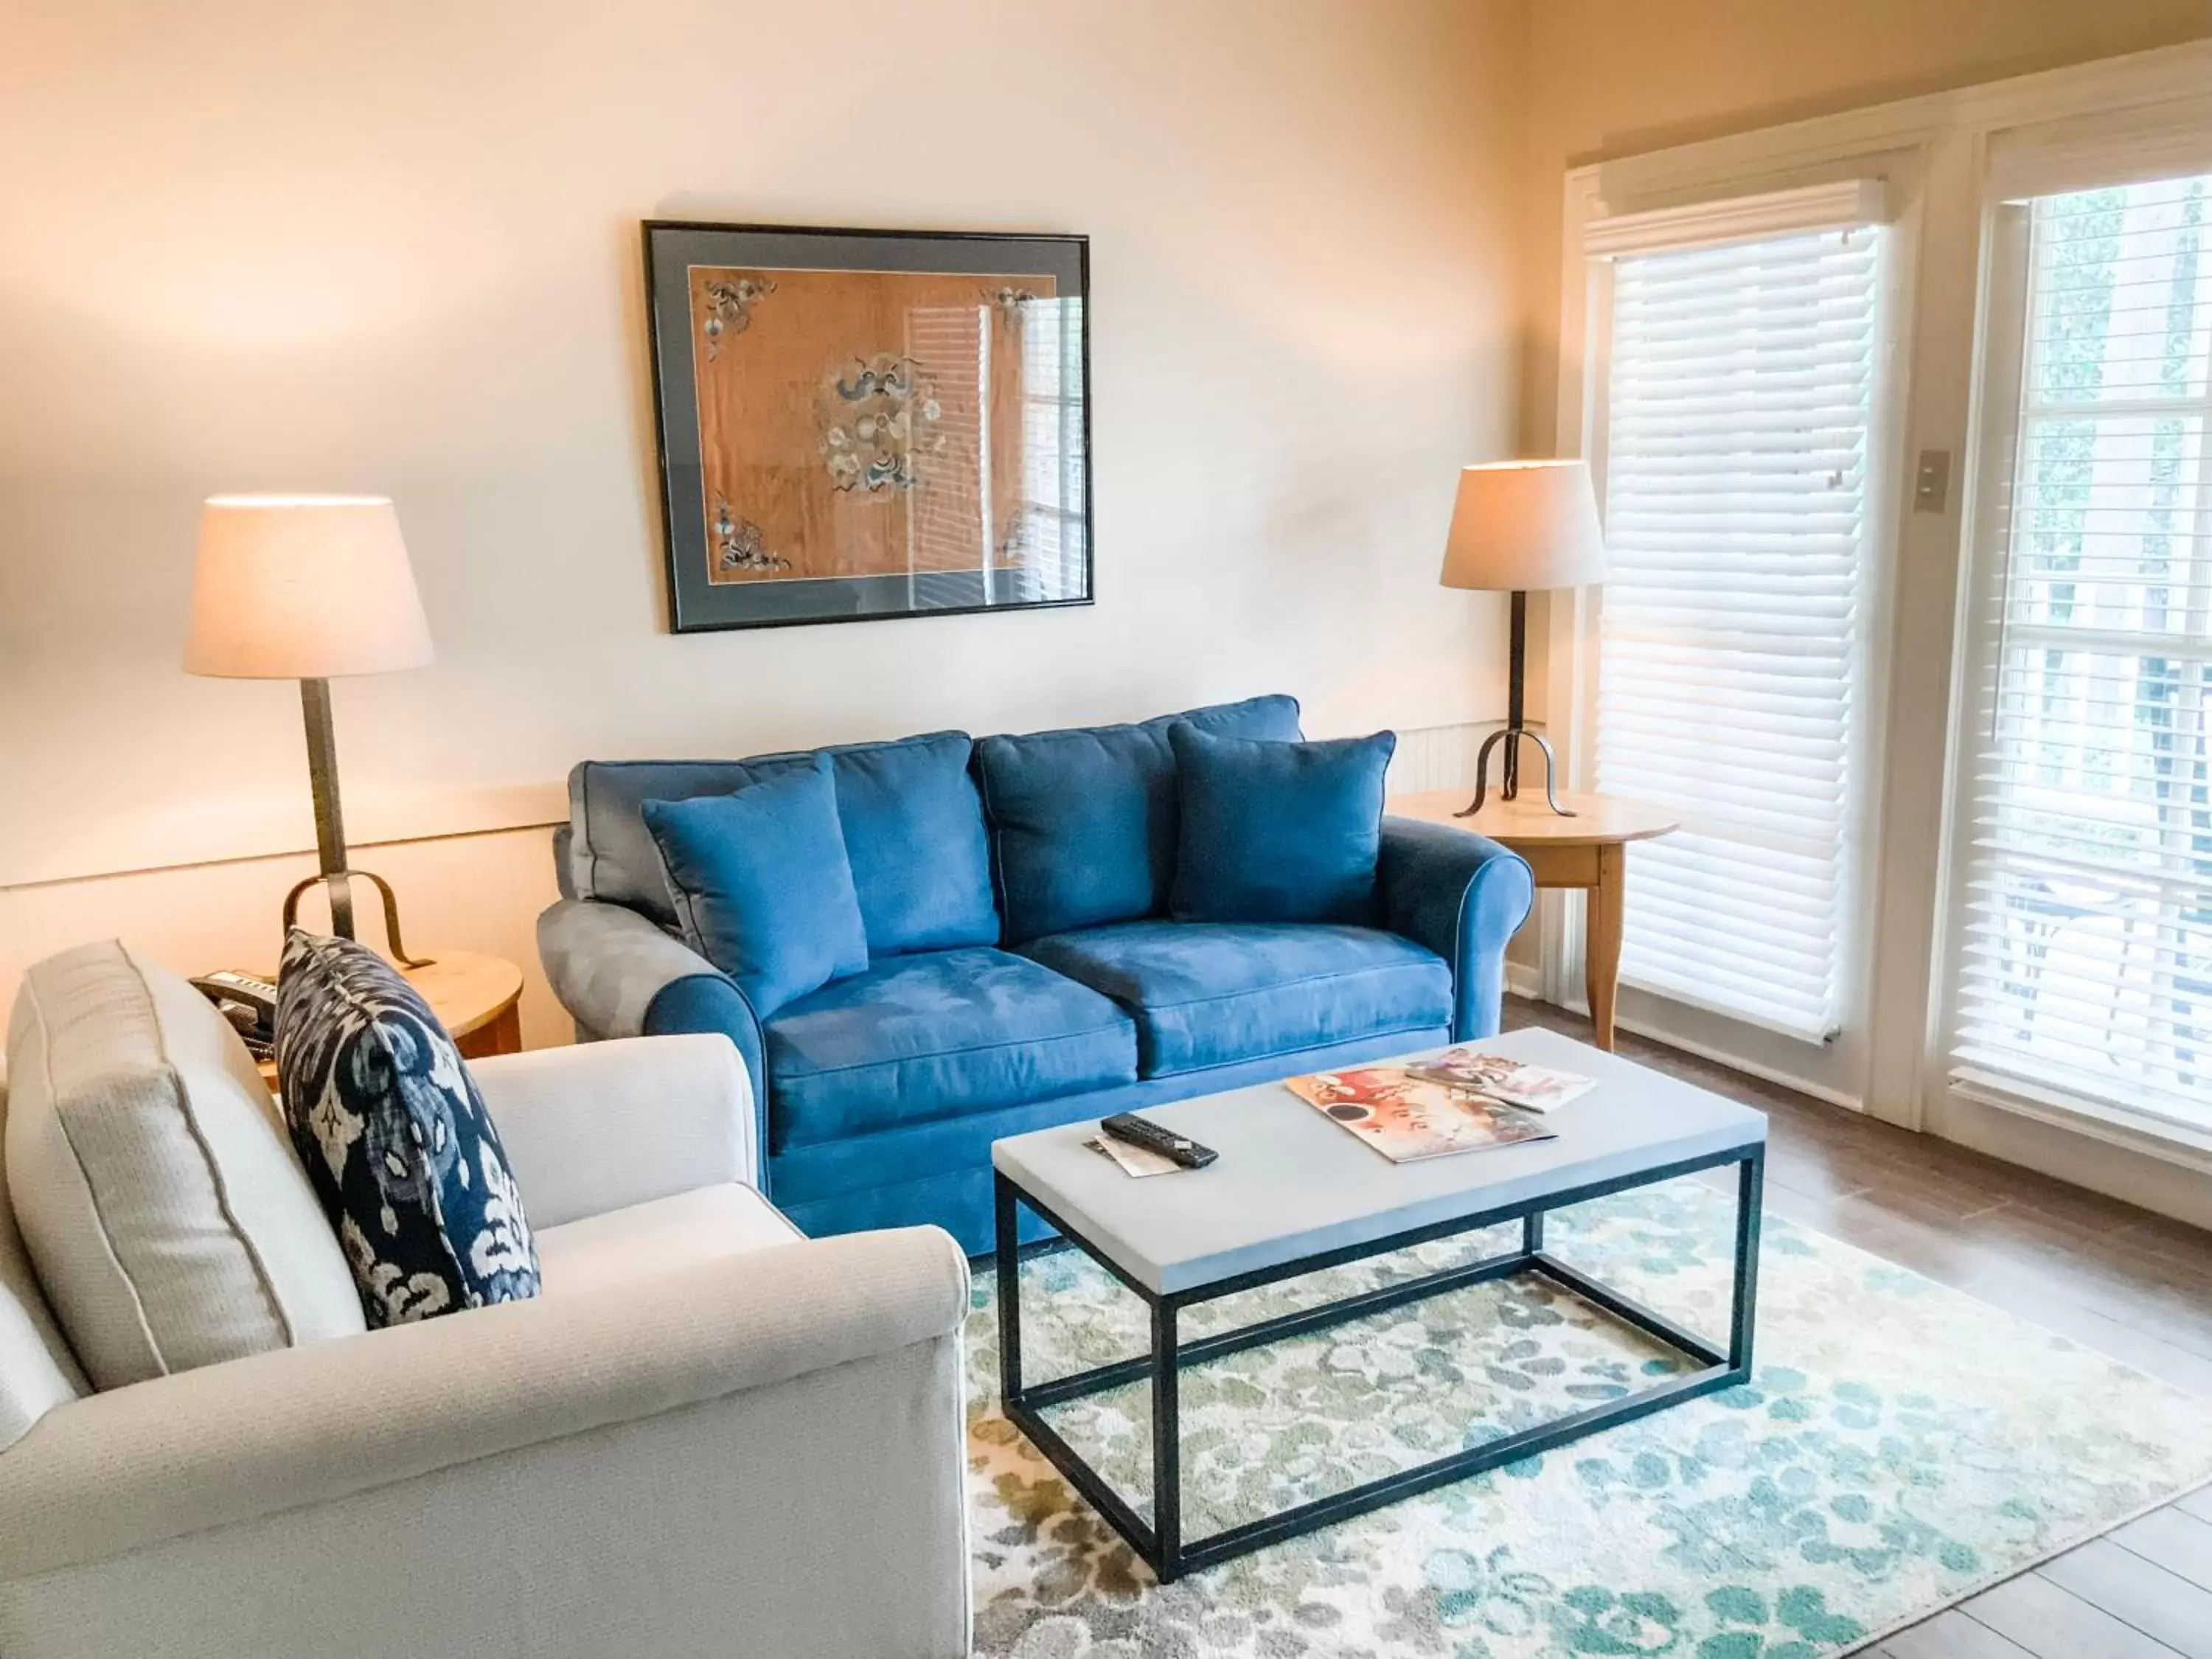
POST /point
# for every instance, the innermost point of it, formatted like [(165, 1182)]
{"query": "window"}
[(2086, 970), (1737, 436)]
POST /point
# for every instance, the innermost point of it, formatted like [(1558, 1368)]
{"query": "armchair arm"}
[(247, 1439), (1462, 895), (620, 975), (602, 1126)]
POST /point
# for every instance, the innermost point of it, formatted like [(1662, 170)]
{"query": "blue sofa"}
[(1023, 972)]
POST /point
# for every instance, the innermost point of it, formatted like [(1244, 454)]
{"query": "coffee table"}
[(1293, 1193)]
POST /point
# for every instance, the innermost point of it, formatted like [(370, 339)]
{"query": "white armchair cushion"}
[(603, 1125), (37, 1372), (157, 1196), (708, 1224)]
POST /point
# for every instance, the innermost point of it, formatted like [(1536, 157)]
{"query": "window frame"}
[(2037, 161), (1879, 186), (1938, 151)]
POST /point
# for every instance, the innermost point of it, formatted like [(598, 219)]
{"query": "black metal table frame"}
[(1161, 1543)]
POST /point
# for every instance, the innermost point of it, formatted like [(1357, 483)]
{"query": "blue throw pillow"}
[(914, 834), (611, 857), (1278, 831), (761, 884), (896, 802), (1083, 820), (395, 1141)]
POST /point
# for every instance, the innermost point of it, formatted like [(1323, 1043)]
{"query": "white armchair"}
[(707, 1437)]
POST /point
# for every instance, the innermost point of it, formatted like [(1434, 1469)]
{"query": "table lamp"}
[(1517, 526), (309, 588)]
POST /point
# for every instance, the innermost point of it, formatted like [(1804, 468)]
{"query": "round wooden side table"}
[(1587, 851), (476, 998)]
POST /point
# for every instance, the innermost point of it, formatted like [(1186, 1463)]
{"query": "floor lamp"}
[(307, 588), (1517, 526)]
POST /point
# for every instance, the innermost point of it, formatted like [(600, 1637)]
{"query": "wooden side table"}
[(476, 998), (1587, 851)]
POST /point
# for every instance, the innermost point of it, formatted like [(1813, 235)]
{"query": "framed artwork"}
[(858, 424)]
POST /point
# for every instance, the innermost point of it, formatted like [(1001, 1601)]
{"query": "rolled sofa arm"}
[(596, 1127), (618, 974), (1462, 895), (250, 1438)]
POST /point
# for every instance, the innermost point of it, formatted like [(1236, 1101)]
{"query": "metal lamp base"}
[(1509, 774), (1510, 784), (330, 833), (339, 883)]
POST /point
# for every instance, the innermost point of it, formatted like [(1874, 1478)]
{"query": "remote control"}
[(1143, 1131)]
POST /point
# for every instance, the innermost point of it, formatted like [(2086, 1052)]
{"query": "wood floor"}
[(2128, 1283)]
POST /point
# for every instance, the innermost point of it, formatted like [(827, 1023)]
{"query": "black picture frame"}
[(1055, 578)]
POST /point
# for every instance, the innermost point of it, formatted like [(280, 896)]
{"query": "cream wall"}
[(393, 247)]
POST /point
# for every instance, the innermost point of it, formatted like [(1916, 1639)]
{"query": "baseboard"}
[(1525, 982), (1735, 1062)]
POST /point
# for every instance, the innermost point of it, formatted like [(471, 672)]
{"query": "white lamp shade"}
[(303, 587), (1522, 525)]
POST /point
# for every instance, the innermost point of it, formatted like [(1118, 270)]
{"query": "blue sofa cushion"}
[(893, 799), (1214, 993), (1278, 831), (913, 828), (938, 1034), (395, 1138), (1083, 820), (761, 886)]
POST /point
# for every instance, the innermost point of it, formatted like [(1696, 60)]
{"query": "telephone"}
[(248, 1002)]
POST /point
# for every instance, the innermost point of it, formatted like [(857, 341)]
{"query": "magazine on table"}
[(1405, 1116), (1517, 1083)]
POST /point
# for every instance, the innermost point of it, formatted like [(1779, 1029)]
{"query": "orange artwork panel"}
[(861, 423)]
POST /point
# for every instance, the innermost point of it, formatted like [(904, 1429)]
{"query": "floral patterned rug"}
[(1899, 1446)]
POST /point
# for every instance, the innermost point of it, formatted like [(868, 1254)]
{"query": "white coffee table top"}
[(1290, 1184)]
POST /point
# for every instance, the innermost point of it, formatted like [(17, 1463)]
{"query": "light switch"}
[(1931, 481)]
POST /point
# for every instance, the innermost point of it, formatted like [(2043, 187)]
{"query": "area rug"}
[(1900, 1446)]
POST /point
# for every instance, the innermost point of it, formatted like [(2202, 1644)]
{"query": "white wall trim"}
[(2128, 146), (1844, 205), (271, 831), (2175, 1143), (503, 825), (1776, 1074), (2071, 1153), (2164, 76), (279, 830)]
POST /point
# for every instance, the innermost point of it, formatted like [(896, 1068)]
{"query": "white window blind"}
[(1740, 400), (2086, 967)]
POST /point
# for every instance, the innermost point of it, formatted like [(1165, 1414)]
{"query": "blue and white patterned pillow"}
[(395, 1138)]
